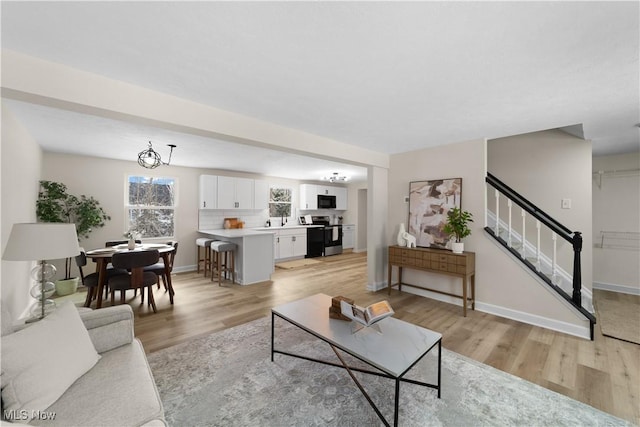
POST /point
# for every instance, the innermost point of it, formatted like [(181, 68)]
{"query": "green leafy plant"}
[(457, 224), (55, 204)]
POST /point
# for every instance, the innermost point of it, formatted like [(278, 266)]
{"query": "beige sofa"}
[(119, 390)]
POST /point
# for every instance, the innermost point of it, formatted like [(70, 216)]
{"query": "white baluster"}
[(554, 269), (523, 238), (497, 229), (509, 204), (538, 246)]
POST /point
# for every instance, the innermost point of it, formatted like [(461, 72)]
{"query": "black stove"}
[(330, 235)]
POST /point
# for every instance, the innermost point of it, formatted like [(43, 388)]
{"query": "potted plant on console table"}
[(457, 226), (54, 204)]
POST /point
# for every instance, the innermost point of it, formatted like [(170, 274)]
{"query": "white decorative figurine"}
[(410, 241)]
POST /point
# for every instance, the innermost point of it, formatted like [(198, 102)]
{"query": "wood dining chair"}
[(137, 278), (90, 281), (159, 267)]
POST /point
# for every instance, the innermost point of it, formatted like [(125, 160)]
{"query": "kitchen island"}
[(254, 253)]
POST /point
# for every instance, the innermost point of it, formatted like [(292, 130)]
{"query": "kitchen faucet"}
[(282, 221)]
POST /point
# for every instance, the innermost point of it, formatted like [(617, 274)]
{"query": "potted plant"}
[(457, 226), (55, 204)]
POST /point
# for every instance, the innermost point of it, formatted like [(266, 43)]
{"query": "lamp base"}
[(36, 310)]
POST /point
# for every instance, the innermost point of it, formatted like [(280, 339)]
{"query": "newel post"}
[(577, 276)]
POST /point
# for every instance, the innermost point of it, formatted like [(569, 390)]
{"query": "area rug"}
[(619, 319), (287, 265), (228, 379)]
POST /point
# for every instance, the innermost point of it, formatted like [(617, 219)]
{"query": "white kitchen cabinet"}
[(290, 243), (348, 236), (208, 192), (308, 196), (235, 193), (326, 190), (260, 195), (341, 198)]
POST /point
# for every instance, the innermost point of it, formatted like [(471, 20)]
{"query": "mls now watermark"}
[(25, 415)]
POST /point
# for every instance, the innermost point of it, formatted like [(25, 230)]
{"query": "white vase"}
[(457, 247), (400, 240), (131, 245)]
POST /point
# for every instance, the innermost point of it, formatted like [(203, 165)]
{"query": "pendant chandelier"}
[(151, 159), (335, 177)]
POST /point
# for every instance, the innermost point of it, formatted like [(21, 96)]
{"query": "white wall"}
[(546, 167), (503, 287), (616, 207), (21, 160), (104, 179)]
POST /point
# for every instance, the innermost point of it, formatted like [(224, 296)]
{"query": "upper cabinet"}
[(235, 193), (260, 195), (309, 196), (341, 198), (208, 192), (224, 192)]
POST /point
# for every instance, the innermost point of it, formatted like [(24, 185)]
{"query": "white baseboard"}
[(532, 319), (185, 268), (433, 295), (375, 287), (623, 289)]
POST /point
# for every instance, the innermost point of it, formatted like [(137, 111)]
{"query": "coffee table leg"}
[(364, 392), (272, 321), (439, 366), (395, 410)]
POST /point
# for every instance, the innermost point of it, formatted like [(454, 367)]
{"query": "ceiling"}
[(387, 76)]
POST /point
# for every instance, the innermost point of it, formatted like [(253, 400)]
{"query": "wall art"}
[(429, 203)]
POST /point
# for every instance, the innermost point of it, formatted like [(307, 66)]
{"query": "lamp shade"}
[(41, 241)]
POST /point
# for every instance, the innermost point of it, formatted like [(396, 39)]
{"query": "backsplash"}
[(214, 219)]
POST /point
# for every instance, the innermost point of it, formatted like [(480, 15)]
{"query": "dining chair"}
[(159, 268), (90, 281), (137, 278)]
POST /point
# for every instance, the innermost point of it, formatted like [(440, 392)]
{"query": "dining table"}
[(102, 258)]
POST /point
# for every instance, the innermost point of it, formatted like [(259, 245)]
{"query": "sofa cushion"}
[(40, 362), (118, 391)]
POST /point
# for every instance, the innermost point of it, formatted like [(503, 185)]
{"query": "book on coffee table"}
[(369, 315)]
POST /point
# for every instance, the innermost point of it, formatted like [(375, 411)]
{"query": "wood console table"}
[(436, 261)]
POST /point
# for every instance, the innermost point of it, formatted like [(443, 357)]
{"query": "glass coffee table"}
[(393, 351)]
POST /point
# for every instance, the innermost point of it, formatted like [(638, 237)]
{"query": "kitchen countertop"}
[(286, 227), (234, 232)]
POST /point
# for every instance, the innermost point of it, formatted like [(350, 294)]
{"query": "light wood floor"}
[(604, 373)]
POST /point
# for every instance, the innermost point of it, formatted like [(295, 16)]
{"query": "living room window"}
[(280, 202), (150, 206)]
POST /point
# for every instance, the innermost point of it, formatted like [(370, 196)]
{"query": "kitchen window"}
[(150, 206), (280, 202)]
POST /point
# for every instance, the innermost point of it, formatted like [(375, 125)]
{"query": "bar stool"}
[(205, 244), (220, 267)]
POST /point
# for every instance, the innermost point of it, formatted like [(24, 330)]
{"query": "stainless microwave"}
[(326, 202)]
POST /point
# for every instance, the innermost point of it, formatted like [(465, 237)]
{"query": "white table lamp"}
[(42, 242)]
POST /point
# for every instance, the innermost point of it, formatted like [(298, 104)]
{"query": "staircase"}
[(541, 244)]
